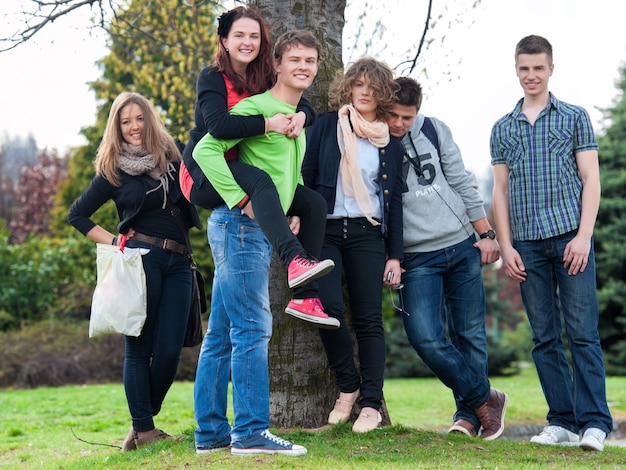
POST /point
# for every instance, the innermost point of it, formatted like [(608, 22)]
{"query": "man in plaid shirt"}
[(545, 201)]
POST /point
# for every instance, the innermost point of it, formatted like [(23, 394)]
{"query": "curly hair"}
[(154, 136), (381, 80)]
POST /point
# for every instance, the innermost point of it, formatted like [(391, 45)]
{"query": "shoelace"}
[(317, 304), (483, 415), (276, 439), (305, 260)]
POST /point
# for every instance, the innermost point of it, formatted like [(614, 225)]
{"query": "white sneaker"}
[(555, 435), (593, 439)]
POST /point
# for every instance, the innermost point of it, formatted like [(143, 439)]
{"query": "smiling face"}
[(131, 123), (243, 43), (534, 72), (364, 97), (297, 67)]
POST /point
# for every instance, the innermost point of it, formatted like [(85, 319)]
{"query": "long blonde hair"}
[(156, 140)]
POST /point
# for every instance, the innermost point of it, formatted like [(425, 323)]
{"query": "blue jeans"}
[(235, 346), (151, 359), (444, 320), (358, 250), (577, 397), (309, 205)]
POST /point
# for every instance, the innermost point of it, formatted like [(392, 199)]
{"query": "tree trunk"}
[(325, 20), (303, 390)]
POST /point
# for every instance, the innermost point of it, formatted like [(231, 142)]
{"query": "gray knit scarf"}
[(136, 161)]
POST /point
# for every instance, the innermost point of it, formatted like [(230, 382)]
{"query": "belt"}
[(164, 243), (358, 220)]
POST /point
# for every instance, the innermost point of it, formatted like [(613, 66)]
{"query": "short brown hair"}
[(410, 92), (534, 45), (295, 37)]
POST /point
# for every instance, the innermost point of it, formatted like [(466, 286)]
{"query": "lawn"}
[(39, 430)]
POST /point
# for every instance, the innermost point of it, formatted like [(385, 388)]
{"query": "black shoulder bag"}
[(194, 332)]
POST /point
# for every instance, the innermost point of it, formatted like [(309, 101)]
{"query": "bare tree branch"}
[(43, 13), (413, 62)]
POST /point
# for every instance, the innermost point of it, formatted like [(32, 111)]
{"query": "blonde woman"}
[(137, 167)]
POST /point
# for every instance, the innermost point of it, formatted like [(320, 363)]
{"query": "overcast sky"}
[(469, 80)]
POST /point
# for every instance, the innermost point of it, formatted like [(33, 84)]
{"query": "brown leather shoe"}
[(463, 427), (129, 441), (155, 435), (491, 415)]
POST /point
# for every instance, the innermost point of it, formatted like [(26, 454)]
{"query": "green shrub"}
[(44, 278), (55, 353), (403, 362)]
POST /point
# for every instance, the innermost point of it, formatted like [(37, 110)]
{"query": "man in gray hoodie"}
[(447, 239)]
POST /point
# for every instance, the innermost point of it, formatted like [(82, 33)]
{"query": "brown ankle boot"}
[(155, 435), (129, 441)]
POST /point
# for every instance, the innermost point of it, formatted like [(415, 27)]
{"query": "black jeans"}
[(358, 249), (151, 359), (268, 212)]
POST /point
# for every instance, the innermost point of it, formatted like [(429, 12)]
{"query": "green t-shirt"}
[(279, 156)]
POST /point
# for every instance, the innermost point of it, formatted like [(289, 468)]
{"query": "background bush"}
[(505, 351), (53, 353)]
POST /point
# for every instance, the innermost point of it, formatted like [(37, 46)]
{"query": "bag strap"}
[(178, 215), (428, 129)]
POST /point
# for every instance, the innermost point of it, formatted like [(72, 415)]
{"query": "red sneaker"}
[(303, 269), (311, 310)]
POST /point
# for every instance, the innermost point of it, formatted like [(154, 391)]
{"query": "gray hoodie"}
[(440, 206)]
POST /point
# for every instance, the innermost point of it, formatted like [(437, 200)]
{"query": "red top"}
[(232, 98)]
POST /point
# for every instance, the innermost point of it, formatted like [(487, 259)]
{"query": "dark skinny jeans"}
[(268, 212)]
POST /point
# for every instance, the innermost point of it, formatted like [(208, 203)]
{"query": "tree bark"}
[(302, 389)]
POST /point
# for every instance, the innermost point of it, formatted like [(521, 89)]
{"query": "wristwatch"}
[(491, 234)]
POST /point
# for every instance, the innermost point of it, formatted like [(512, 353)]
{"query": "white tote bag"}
[(119, 301)]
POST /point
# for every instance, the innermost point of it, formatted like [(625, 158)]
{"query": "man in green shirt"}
[(235, 347), (296, 59)]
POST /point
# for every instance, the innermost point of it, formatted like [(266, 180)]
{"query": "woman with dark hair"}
[(244, 67)]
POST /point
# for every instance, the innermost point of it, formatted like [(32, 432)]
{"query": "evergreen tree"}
[(158, 55), (609, 236)]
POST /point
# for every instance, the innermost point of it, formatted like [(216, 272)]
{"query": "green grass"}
[(36, 429)]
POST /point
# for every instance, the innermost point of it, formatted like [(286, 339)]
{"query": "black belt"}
[(164, 243), (356, 220)]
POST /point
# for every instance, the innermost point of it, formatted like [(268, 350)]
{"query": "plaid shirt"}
[(545, 187)]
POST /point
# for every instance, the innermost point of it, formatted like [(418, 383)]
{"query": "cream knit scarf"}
[(378, 134), (136, 161)]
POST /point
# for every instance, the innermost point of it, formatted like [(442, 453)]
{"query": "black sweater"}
[(129, 200), (211, 115)]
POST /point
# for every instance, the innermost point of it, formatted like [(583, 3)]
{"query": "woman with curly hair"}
[(356, 165)]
